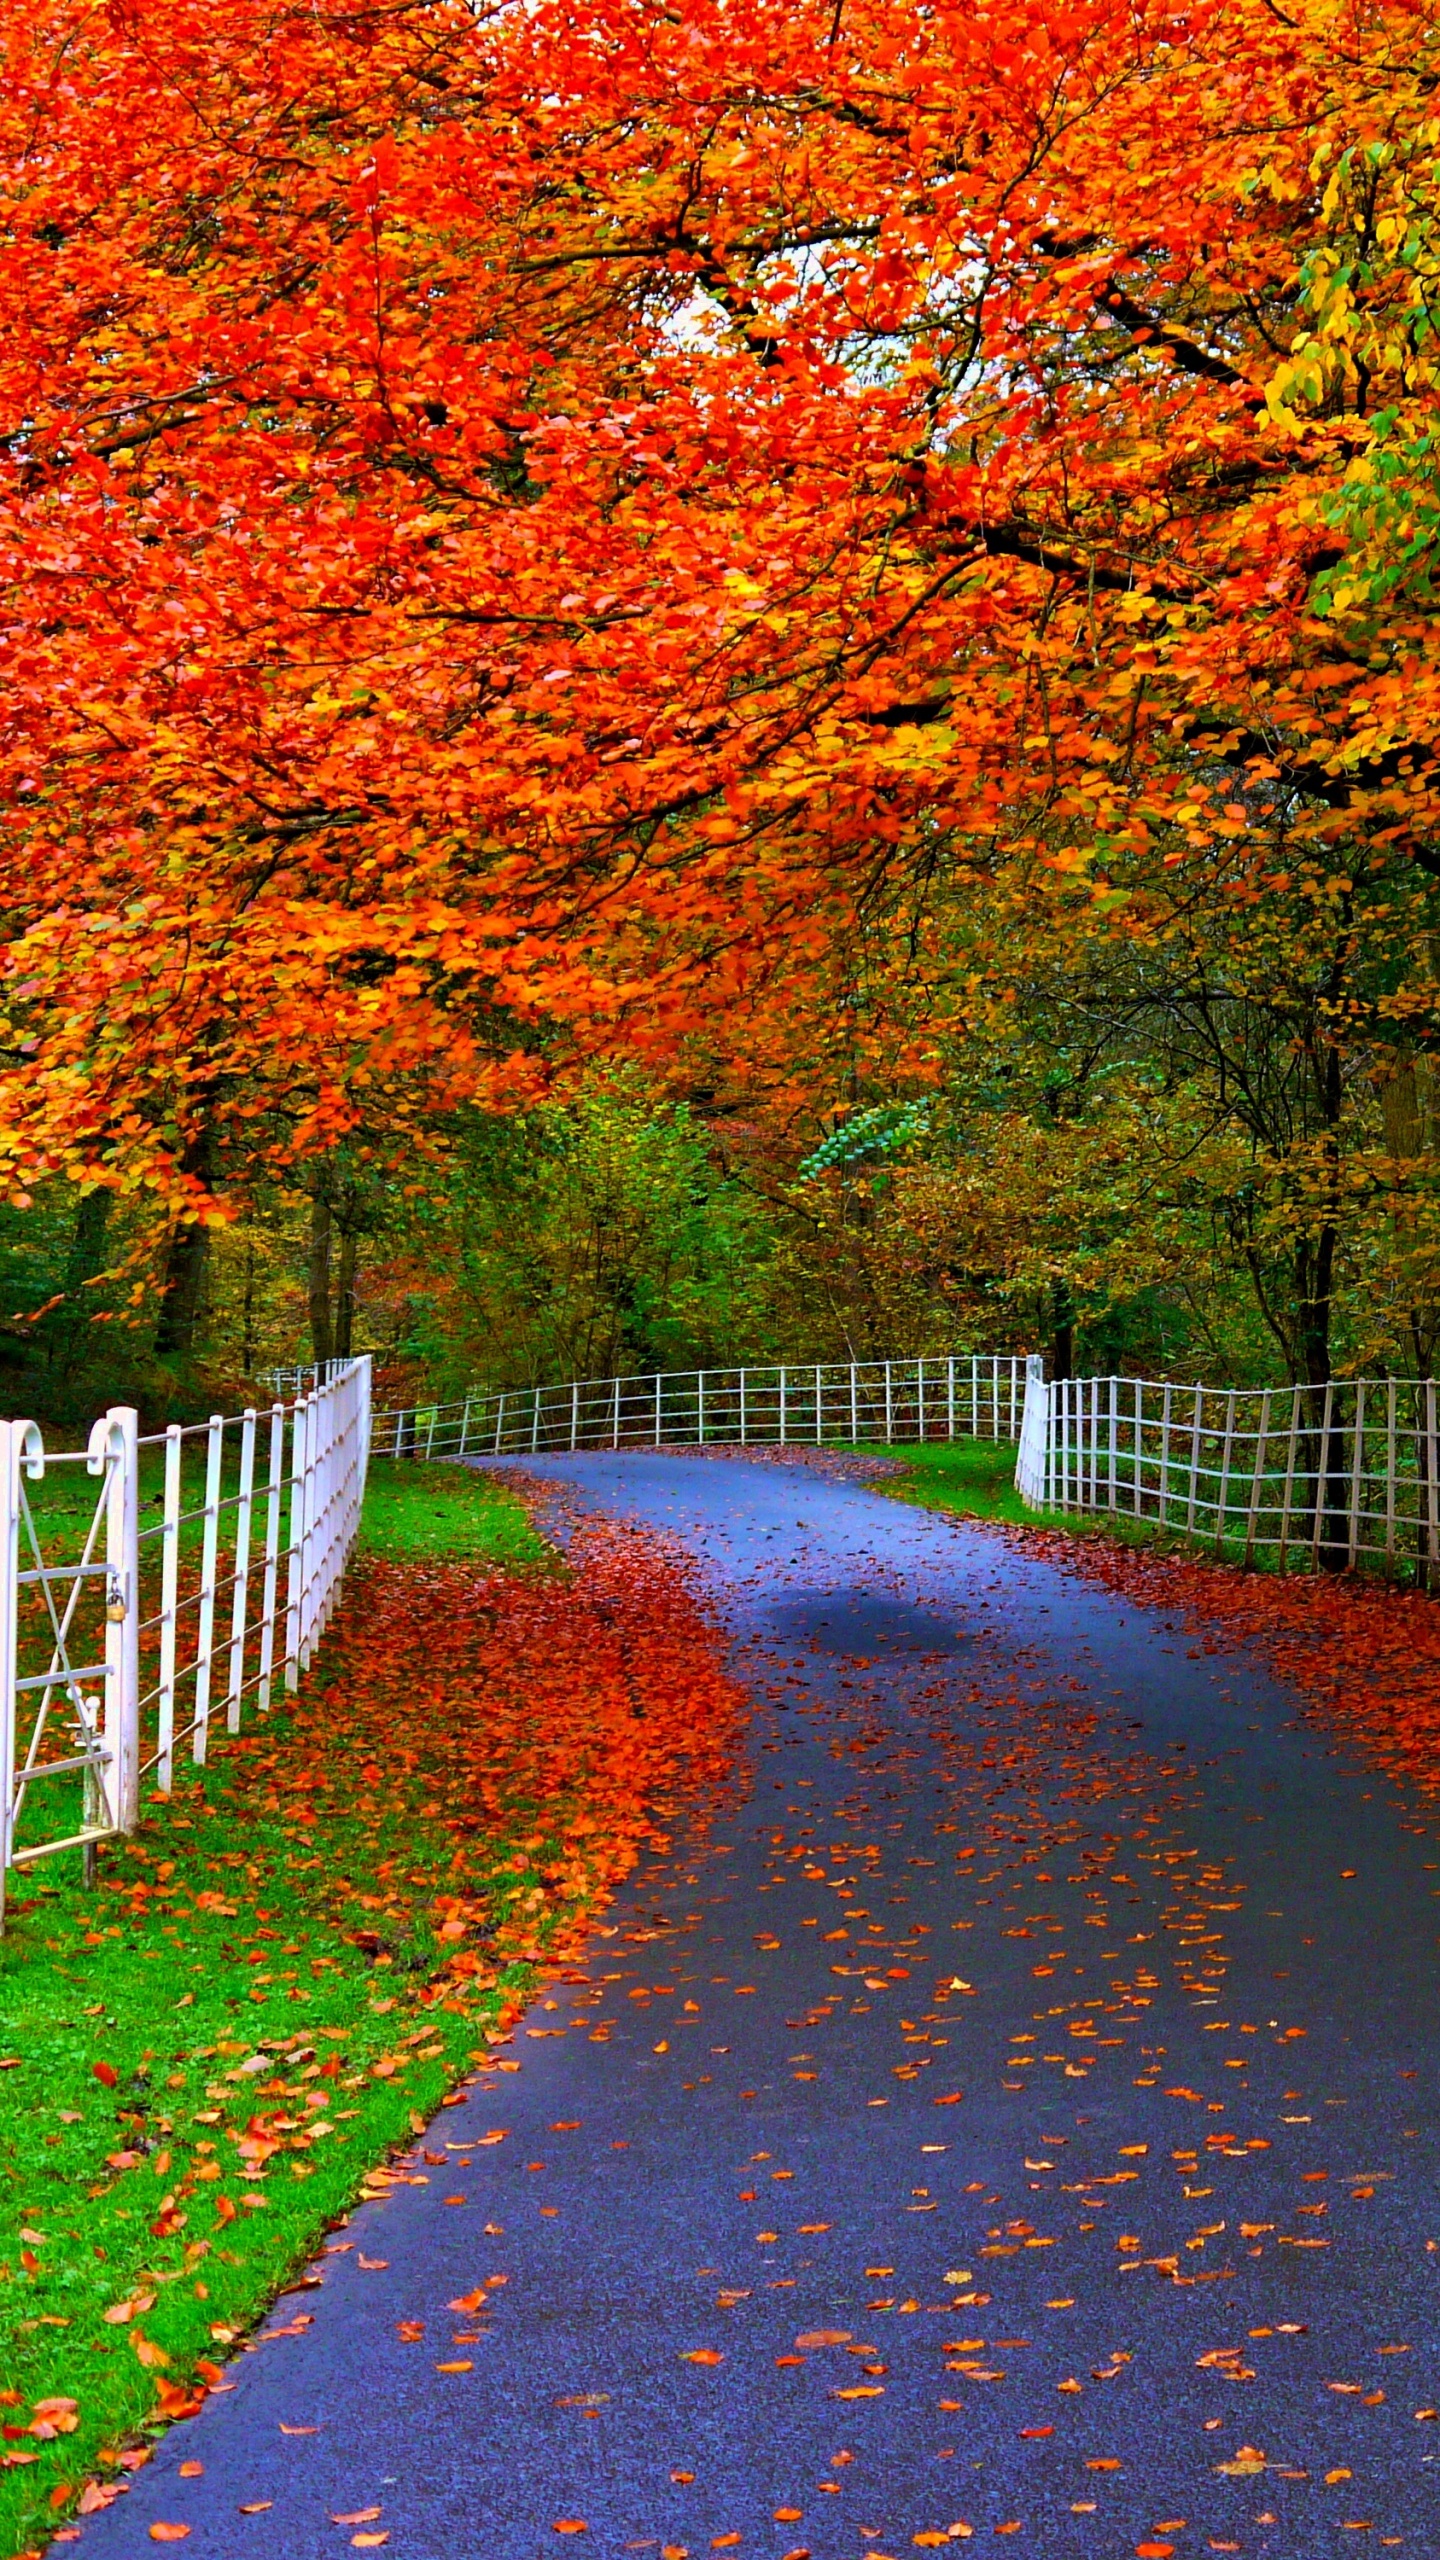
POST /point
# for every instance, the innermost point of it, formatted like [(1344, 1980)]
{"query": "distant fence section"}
[(150, 1584), (1294, 1477), (819, 1403)]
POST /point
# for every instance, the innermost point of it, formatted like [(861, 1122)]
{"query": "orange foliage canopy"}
[(550, 515)]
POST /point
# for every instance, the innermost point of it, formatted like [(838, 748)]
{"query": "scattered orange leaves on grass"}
[(582, 1705)]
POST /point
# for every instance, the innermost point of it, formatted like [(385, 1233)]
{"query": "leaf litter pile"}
[(282, 1974)]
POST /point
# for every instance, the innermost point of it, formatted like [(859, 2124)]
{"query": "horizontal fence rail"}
[(1337, 1476), (817, 1402), (148, 1584)]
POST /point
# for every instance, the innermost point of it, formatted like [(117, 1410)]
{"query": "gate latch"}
[(116, 1605)]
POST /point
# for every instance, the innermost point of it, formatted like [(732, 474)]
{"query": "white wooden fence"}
[(816, 1402), (1296, 1477), (203, 1566)]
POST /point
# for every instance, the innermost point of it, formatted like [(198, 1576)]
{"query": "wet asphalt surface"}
[(1010, 2113)]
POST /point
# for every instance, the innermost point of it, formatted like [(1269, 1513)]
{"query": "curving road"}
[(1015, 2117)]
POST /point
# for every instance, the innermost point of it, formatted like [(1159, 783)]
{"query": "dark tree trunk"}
[(345, 1294), (186, 1257), (83, 1262), (1062, 1331), (322, 1340), (247, 1315)]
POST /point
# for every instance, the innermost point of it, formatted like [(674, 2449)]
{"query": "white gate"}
[(120, 1633)]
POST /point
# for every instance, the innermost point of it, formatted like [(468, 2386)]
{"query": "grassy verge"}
[(443, 1510), (976, 1478), (278, 1979)]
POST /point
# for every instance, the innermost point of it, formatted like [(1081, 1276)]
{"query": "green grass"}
[(973, 1477), (416, 1510), (264, 1949), (976, 1479)]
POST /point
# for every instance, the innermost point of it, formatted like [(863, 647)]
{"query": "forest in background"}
[(682, 689)]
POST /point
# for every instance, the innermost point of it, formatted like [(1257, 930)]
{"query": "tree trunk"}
[(322, 1344), (182, 1289), (345, 1294), (82, 1263), (247, 1314), (186, 1258), (1062, 1331)]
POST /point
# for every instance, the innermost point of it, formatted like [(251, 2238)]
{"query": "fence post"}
[(112, 1452), (169, 1606), (273, 1492), (782, 1404), (1222, 1508), (465, 1427), (950, 1399), (205, 1623), (575, 1415), (854, 1406), (1291, 1452), (701, 1375), (1322, 1476), (657, 1408), (240, 1604), (1357, 1462), (889, 1407), (742, 1408), (299, 1426), (1257, 1475), (1390, 1474), (819, 1397), (1165, 1414), (1194, 1461), (1114, 1427), (920, 1400), (1432, 1492), (1139, 1446), (21, 1451), (11, 1442)]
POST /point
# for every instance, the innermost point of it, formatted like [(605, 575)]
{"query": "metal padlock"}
[(115, 1607)]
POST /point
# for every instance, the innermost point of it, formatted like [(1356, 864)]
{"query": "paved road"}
[(1015, 2116)]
